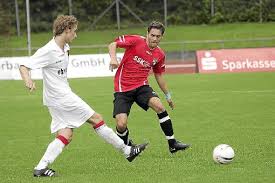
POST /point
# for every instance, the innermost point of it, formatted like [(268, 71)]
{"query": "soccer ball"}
[(223, 154)]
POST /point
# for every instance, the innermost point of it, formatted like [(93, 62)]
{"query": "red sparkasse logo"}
[(236, 60)]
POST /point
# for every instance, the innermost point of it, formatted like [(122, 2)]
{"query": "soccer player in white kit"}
[(68, 111)]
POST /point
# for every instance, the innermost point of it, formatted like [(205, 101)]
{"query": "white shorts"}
[(70, 114)]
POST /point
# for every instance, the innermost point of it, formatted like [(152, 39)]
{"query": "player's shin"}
[(54, 149), (123, 135), (166, 126), (110, 136)]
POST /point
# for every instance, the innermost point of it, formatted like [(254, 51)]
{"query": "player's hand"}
[(171, 103), (30, 84), (113, 65)]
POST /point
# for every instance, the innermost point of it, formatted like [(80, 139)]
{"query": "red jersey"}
[(136, 63)]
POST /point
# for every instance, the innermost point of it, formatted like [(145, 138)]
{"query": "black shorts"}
[(124, 100)]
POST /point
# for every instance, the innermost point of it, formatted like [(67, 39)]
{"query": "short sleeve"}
[(126, 41), (39, 59), (160, 66)]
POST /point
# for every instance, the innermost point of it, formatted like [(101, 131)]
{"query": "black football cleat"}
[(178, 146), (135, 151), (46, 172)]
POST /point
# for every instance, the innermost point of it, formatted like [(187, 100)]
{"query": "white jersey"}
[(54, 62)]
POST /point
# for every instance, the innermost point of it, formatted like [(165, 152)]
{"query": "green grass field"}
[(175, 34), (237, 109)]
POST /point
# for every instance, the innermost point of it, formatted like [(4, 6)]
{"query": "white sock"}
[(54, 149), (111, 137)]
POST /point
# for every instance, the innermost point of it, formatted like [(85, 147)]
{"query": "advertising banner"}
[(95, 65), (236, 60)]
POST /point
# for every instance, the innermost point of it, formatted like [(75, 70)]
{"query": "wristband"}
[(168, 96)]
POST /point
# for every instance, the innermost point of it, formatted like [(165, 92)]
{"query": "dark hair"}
[(156, 25)]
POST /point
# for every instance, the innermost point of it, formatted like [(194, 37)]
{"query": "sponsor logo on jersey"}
[(155, 61), (58, 61), (61, 71), (141, 61)]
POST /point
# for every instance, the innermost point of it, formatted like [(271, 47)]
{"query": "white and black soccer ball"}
[(223, 154)]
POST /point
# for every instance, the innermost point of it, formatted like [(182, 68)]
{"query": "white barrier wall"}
[(80, 66)]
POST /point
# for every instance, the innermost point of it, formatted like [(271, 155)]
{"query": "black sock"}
[(166, 126), (123, 135)]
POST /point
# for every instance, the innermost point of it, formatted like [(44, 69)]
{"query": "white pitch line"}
[(180, 66), (238, 91)]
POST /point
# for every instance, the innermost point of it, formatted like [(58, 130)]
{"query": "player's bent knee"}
[(159, 108), (156, 105), (65, 135), (121, 121), (121, 125), (95, 118)]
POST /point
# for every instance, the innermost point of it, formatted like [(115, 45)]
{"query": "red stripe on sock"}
[(99, 124), (63, 139)]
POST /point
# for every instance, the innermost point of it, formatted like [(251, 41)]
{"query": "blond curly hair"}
[(63, 22)]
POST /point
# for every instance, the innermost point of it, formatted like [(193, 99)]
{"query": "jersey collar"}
[(57, 48)]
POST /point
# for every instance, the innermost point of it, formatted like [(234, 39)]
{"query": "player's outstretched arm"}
[(112, 52), (25, 74), (163, 86)]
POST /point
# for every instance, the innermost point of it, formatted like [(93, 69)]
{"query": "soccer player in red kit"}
[(131, 81)]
